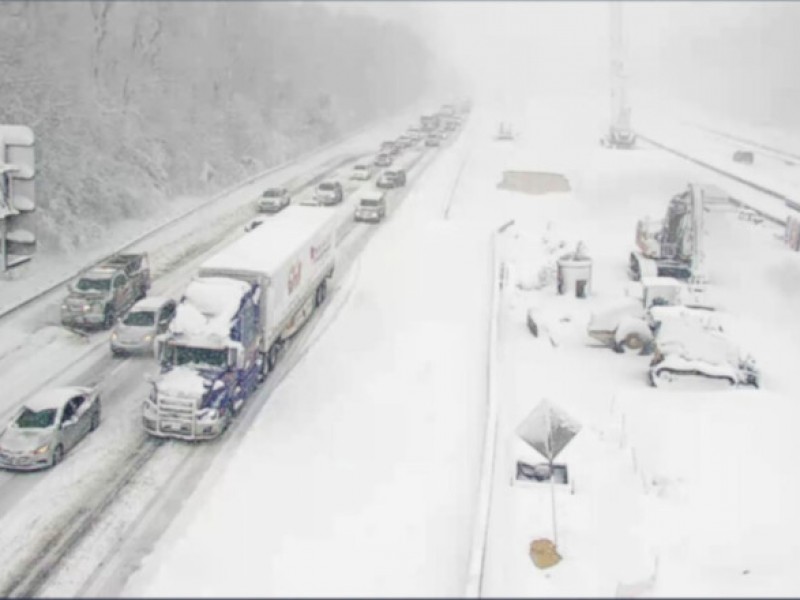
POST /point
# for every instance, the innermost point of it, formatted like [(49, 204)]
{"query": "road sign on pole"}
[(548, 430)]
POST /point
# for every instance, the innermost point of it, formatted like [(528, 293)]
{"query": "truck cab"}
[(99, 296)]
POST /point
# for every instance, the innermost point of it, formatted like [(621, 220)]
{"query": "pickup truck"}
[(105, 292)]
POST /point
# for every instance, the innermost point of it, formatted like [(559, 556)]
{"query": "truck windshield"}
[(85, 284), (187, 355), (140, 318), (36, 419)]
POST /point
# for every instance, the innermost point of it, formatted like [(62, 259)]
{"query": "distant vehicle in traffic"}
[(329, 193), (433, 140), (136, 332), (274, 200), (371, 207), (383, 160), (106, 291), (745, 157), (392, 179), (362, 172), (47, 426)]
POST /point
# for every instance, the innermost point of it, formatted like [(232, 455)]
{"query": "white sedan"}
[(48, 425)]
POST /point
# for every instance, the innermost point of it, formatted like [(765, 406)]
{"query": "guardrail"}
[(758, 187), (480, 533)]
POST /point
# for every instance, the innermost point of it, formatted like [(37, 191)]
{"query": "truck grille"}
[(176, 415)]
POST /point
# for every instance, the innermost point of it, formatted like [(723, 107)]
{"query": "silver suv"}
[(136, 332)]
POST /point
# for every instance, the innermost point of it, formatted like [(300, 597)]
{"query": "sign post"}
[(548, 430)]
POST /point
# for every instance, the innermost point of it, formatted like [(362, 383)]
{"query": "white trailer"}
[(291, 256)]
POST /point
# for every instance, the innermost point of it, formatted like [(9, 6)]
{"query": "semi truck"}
[(233, 320)]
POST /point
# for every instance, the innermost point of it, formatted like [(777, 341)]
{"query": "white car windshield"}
[(86, 284), (273, 194), (327, 187), (370, 203), (36, 419)]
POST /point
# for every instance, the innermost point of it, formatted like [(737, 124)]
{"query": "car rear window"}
[(140, 318)]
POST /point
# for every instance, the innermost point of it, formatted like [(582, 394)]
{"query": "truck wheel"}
[(262, 367), (633, 342), (272, 357), (108, 319)]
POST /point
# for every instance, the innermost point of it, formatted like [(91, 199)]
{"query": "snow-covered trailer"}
[(233, 319), (291, 256)]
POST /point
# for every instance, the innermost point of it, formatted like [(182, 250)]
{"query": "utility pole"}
[(620, 134)]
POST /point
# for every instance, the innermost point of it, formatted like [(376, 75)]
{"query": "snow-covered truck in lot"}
[(233, 320), (689, 351), (624, 325)]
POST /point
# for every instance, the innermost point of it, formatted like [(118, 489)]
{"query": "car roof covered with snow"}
[(52, 397), (372, 195), (150, 303)]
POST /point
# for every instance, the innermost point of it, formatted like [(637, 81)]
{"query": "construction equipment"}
[(620, 134), (672, 247)]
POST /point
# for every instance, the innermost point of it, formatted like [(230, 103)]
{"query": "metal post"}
[(553, 503), (552, 477), (3, 246)]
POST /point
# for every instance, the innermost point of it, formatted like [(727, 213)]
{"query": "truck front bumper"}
[(184, 430), (87, 319)]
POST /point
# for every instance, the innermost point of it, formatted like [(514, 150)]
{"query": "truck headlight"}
[(86, 307), (209, 414), (42, 449)]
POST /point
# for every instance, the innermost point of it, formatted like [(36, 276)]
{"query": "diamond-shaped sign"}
[(548, 429)]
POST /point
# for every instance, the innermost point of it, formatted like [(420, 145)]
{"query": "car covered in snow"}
[(47, 426), (328, 193), (273, 200), (383, 160), (688, 351), (391, 179), (362, 172), (433, 140), (371, 207), (136, 332)]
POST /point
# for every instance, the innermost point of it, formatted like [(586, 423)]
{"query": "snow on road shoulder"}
[(359, 475)]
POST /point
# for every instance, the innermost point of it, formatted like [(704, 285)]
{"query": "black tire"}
[(95, 422), (322, 292), (263, 368), (58, 455), (272, 357), (108, 318)]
